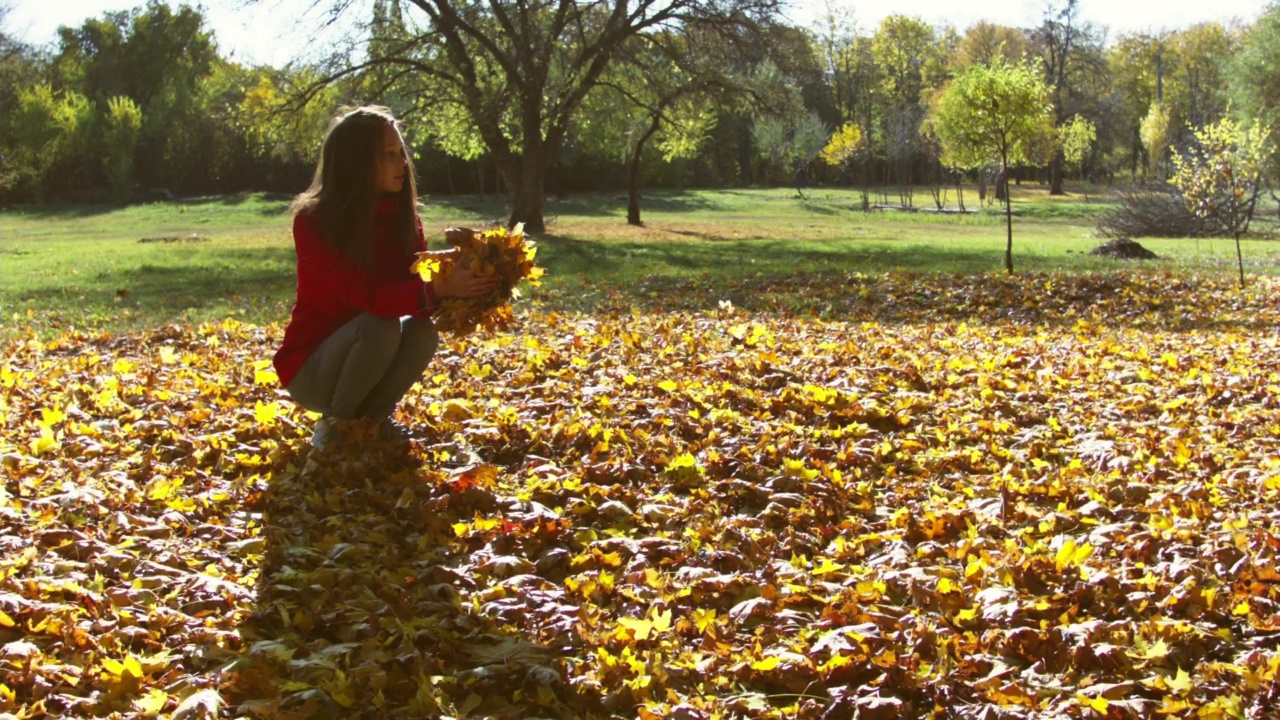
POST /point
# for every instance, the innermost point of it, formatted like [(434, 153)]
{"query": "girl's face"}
[(390, 167)]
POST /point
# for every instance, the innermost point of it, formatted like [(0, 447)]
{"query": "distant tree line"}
[(536, 99)]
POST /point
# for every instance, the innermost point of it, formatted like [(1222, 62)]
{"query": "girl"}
[(361, 333)]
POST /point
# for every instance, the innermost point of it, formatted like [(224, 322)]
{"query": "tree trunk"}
[(867, 185), (746, 152), (1055, 174), (633, 174), (1240, 261), (526, 178), (1008, 217), (633, 191)]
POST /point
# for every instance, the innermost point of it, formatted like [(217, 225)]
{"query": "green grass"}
[(88, 267)]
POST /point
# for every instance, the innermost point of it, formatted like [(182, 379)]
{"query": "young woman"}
[(361, 333)]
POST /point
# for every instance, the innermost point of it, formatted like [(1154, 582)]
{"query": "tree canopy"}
[(518, 73), (561, 96)]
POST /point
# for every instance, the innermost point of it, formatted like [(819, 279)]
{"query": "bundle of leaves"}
[(489, 253)]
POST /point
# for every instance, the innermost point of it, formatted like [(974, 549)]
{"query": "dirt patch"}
[(193, 237), (1123, 249)]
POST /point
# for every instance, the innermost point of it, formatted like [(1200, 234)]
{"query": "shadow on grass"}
[(566, 256), (238, 278), (65, 211), (828, 287), (269, 204), (586, 205)]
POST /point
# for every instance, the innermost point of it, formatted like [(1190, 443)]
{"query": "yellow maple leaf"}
[(265, 413), (766, 664), (661, 621), (1097, 704), (827, 566), (151, 703), (704, 618), (1155, 651), (639, 629), (1180, 684), (51, 416)]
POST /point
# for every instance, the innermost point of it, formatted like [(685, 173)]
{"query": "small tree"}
[(844, 147), (793, 142), (1155, 136), (123, 120), (995, 115), (1221, 174), (1075, 137), (53, 137)]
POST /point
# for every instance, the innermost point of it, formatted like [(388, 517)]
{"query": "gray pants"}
[(365, 367)]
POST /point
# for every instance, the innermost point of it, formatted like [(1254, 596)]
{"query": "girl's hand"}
[(462, 283)]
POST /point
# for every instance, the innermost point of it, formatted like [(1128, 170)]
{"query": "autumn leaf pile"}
[(1048, 496), (498, 253)]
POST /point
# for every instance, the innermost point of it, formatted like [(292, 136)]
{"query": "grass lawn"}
[(194, 260)]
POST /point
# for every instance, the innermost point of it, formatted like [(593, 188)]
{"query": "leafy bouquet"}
[(489, 253)]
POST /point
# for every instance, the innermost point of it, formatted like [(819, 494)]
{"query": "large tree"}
[(20, 69), (912, 61), (1071, 51), (517, 73), (1136, 76), (1254, 76), (853, 79), (1254, 81), (159, 58)]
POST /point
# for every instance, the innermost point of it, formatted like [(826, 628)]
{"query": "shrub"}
[(1154, 211)]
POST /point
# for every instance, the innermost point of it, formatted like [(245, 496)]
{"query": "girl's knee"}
[(420, 333), (379, 332)]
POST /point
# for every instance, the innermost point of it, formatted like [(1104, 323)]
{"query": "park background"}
[(794, 443)]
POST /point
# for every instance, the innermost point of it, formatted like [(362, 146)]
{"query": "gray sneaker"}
[(325, 430)]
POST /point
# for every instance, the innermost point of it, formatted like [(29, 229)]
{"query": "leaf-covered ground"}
[(1050, 496)]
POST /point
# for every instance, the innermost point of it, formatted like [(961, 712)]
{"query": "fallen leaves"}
[(889, 497)]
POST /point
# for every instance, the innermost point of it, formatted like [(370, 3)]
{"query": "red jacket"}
[(333, 289)]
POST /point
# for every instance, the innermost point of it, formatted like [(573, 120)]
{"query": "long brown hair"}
[(343, 195)]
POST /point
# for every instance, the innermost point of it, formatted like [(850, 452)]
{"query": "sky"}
[(273, 32), (1121, 16), (253, 32)]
